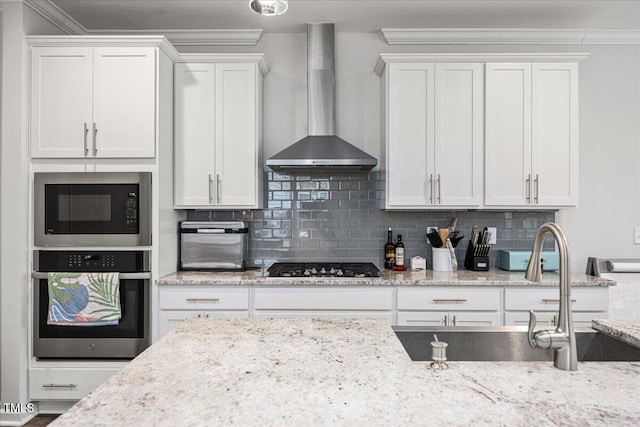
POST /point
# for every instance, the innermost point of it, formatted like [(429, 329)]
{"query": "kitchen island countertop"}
[(344, 372), (389, 278), (627, 330)]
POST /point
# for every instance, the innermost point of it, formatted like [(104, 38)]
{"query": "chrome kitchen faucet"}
[(563, 339)]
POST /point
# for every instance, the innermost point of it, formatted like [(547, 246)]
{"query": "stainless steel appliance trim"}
[(143, 238), (214, 225), (121, 276)]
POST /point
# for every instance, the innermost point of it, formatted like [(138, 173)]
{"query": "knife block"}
[(475, 263)]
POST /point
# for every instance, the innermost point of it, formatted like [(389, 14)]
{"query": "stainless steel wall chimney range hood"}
[(322, 150)]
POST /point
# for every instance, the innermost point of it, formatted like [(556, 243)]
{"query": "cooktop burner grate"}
[(324, 269)]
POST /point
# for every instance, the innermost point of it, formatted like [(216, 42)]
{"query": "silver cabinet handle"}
[(552, 301), (203, 299), (439, 190), (210, 190), (446, 320), (218, 188), (86, 132), (537, 188), (454, 320), (59, 386), (95, 140), (431, 189), (528, 181), (451, 300)]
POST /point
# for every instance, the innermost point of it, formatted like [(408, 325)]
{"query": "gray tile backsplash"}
[(336, 217)]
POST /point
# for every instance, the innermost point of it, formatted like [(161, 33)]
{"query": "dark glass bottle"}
[(389, 252), (399, 252)]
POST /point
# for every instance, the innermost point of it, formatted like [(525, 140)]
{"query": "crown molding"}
[(56, 16), (502, 36), (98, 41), (248, 37), (252, 58), (386, 58)]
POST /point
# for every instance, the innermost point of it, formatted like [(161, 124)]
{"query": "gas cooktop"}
[(324, 269)]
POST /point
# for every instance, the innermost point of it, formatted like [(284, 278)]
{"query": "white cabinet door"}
[(61, 101), (236, 160), (93, 102), (124, 102), (531, 146), (508, 134), (422, 318), (548, 319), (65, 384), (411, 135), (555, 134), (217, 116), (170, 319), (194, 134), (458, 156)]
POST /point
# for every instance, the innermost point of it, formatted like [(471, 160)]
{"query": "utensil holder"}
[(441, 259), (474, 262)]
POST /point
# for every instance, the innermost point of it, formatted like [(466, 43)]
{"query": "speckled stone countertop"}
[(389, 278), (342, 372), (627, 330)]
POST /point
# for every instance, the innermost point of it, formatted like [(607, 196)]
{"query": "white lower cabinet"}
[(586, 304), (449, 306), (325, 302), (178, 303), (64, 383)]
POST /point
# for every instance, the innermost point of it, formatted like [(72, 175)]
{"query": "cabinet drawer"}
[(323, 298), (65, 384), (548, 299), (204, 298), (446, 298)]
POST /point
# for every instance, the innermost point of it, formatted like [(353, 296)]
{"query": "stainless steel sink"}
[(509, 344)]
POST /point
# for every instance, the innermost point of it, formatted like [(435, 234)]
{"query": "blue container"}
[(511, 260)]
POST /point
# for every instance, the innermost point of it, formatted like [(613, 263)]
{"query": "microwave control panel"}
[(131, 213)]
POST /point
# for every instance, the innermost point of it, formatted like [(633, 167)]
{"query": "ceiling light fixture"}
[(269, 7)]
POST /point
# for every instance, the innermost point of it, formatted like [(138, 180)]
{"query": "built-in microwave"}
[(92, 209)]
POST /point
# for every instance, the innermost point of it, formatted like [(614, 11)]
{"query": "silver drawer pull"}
[(59, 386), (553, 301), (455, 300), (203, 299)]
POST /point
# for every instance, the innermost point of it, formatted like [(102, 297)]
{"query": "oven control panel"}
[(92, 261)]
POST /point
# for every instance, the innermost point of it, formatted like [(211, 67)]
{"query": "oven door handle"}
[(121, 276)]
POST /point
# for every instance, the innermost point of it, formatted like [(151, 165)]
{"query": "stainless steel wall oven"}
[(92, 209), (125, 340)]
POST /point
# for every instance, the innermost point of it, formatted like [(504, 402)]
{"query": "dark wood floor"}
[(41, 420)]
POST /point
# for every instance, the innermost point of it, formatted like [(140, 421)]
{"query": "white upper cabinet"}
[(433, 120), (91, 102), (218, 139), (531, 135)]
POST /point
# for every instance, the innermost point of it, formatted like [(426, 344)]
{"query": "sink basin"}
[(508, 344)]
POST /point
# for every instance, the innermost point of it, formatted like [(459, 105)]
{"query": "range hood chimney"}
[(321, 150)]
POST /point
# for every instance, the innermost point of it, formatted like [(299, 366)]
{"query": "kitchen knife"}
[(434, 238)]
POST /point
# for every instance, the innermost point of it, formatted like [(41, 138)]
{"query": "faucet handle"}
[(532, 325)]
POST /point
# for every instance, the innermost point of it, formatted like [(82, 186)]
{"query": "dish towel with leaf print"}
[(84, 299)]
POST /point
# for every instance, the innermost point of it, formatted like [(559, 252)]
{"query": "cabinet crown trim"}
[(386, 58), (106, 41), (505, 36), (251, 58)]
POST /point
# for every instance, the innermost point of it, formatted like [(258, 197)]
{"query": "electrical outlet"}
[(494, 235), (636, 235)]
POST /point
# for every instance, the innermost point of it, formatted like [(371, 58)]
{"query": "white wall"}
[(15, 282), (609, 123)]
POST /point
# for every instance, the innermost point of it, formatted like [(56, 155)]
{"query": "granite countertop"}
[(627, 330), (389, 278), (345, 372)]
